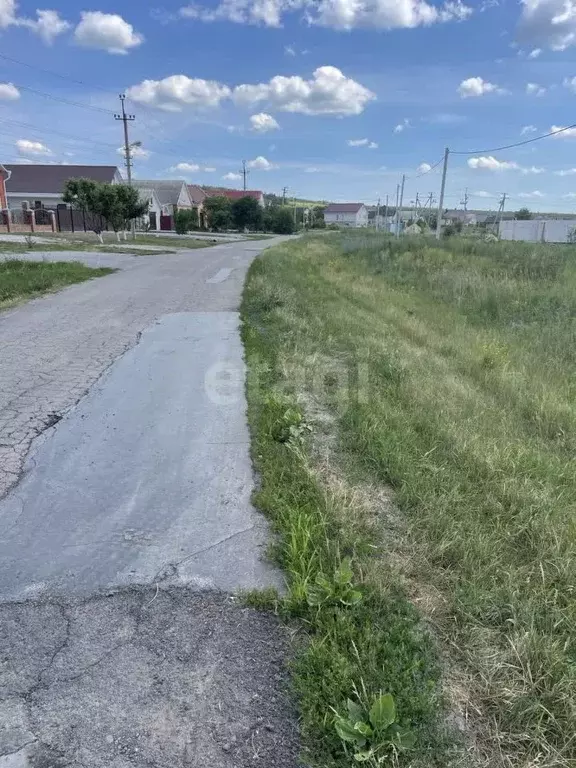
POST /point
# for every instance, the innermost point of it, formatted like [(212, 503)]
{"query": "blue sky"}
[(334, 99)]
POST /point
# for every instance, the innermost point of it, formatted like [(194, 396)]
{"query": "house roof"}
[(197, 194), (50, 179), (343, 207), (235, 194), (167, 191)]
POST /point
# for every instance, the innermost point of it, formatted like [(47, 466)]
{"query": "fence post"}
[(32, 213), (52, 216), (71, 218), (8, 219)]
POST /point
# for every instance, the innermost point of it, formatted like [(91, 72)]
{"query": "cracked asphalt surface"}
[(127, 528)]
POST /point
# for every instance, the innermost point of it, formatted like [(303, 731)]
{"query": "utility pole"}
[(377, 215), (386, 214), (442, 190), (127, 148), (284, 190), (244, 173), (464, 203), (401, 203), (500, 212), (396, 227)]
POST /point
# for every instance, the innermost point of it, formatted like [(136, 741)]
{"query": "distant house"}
[(150, 220), (198, 195), (42, 186), (236, 194), (346, 214), (467, 218), (172, 196)]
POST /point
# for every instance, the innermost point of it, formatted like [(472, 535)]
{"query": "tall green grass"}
[(24, 279), (467, 411)]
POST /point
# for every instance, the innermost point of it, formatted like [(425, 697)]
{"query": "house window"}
[(37, 204)]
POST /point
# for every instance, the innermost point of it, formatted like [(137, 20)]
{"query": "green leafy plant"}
[(289, 425), (338, 590), (373, 733)]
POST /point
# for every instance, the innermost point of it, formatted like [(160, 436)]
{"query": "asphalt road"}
[(126, 527)]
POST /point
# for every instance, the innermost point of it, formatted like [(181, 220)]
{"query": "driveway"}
[(126, 527)]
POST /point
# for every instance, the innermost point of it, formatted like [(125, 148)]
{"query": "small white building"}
[(42, 186), (150, 220), (346, 214)]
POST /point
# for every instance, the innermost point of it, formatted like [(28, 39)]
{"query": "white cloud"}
[(187, 168), (402, 126), (26, 147), (424, 168), (260, 12), (48, 26), (535, 53), (260, 164), (328, 92), (566, 172), (177, 91), (106, 31), (528, 129), (339, 14), (476, 86), (548, 23), (9, 92), (569, 196), (567, 133), (384, 14), (482, 193), (489, 163), (138, 152), (570, 83), (533, 89), (7, 13), (208, 169), (312, 170), (536, 195), (362, 143), (232, 176), (262, 123), (289, 50)]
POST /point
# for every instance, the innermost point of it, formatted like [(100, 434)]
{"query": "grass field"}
[(412, 408), (76, 245), (27, 279)]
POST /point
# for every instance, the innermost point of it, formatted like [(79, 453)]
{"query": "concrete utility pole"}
[(377, 222), (127, 147), (284, 190), (500, 212), (396, 227), (386, 214), (464, 203), (244, 173), (401, 204), (442, 190)]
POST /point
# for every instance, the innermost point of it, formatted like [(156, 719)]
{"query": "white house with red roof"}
[(346, 214)]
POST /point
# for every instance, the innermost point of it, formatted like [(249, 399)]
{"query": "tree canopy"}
[(115, 205), (247, 213), (523, 214), (219, 212)]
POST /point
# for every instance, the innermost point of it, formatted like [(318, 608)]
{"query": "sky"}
[(333, 99)]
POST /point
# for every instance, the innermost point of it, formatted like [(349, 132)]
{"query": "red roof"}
[(343, 207), (236, 194)]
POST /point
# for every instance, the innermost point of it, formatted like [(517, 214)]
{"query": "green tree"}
[(317, 218), (247, 214), (219, 212), (91, 197), (279, 219), (523, 214), (108, 204)]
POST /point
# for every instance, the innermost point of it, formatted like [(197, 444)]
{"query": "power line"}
[(517, 144), (65, 101)]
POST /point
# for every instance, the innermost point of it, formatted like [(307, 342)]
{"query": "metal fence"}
[(72, 220)]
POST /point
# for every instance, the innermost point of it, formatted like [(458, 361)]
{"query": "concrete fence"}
[(539, 230)]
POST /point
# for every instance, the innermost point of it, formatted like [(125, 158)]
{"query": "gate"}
[(166, 223)]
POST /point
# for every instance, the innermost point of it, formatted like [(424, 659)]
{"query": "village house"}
[(346, 214)]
